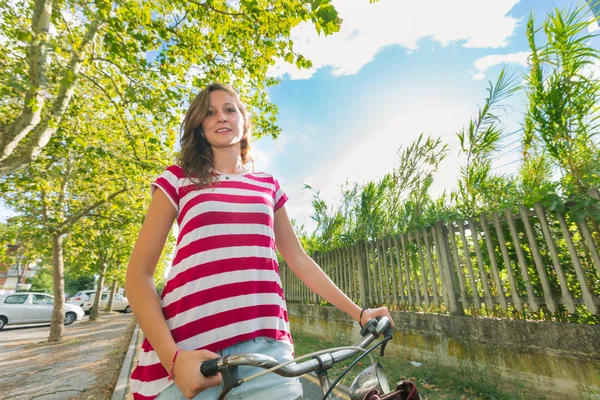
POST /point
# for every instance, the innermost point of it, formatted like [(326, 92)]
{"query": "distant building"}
[(9, 280), (13, 277)]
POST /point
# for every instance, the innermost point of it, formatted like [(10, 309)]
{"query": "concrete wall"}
[(550, 357)]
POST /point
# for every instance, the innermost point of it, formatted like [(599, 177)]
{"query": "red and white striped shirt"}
[(223, 287)]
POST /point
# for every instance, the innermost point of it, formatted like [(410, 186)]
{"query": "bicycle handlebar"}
[(210, 367), (371, 330)]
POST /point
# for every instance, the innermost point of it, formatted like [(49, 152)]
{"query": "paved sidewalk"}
[(85, 365)]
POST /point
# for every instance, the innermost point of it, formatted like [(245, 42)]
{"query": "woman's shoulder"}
[(262, 176), (176, 170)]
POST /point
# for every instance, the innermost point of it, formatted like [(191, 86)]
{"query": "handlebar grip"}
[(210, 367)]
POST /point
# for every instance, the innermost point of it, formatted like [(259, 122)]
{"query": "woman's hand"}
[(186, 373), (372, 313)]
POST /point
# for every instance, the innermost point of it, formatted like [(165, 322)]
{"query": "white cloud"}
[(368, 28), (266, 149), (483, 63), (592, 70), (593, 26), (379, 154)]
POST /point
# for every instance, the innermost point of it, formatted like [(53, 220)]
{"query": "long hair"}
[(196, 155)]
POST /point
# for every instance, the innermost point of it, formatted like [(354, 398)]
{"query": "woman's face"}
[(224, 123)]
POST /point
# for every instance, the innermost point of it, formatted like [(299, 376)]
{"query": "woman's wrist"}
[(166, 355), (172, 368), (360, 317)]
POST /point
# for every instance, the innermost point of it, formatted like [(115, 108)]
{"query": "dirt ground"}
[(85, 365)]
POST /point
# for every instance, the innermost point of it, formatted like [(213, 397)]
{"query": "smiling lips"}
[(223, 130)]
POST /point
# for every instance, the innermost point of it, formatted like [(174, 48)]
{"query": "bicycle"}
[(370, 379)]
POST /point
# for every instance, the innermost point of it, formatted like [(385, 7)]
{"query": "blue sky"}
[(397, 68)]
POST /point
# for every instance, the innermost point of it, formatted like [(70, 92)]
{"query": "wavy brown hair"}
[(196, 155)]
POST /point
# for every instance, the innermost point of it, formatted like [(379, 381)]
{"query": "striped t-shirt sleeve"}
[(280, 196), (168, 183)]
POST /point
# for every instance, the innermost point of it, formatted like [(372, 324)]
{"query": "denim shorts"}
[(266, 387)]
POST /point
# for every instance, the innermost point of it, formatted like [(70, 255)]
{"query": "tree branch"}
[(209, 7), (44, 209), (111, 80), (174, 27), (119, 113), (66, 226), (65, 22), (126, 73), (65, 181)]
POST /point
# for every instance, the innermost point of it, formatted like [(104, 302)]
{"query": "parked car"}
[(80, 297), (28, 308), (120, 303)]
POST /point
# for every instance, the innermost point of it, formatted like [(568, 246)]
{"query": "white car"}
[(80, 297), (29, 308), (120, 303)]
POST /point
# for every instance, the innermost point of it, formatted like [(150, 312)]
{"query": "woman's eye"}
[(211, 112), (230, 110)]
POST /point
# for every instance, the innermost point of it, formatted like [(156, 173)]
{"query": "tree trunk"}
[(58, 313), (34, 100), (96, 307), (113, 290), (593, 193), (22, 273)]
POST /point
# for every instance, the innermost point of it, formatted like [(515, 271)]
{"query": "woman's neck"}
[(227, 160)]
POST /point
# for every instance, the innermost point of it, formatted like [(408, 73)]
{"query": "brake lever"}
[(387, 336), (371, 327)]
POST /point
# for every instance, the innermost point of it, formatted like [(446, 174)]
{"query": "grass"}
[(434, 381)]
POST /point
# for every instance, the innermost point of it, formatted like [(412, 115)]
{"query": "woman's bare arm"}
[(145, 304)]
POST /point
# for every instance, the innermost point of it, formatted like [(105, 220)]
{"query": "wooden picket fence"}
[(531, 260)]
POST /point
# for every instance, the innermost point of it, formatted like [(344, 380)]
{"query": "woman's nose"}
[(221, 117)]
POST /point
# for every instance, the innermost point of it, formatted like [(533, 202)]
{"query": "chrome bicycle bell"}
[(369, 379)]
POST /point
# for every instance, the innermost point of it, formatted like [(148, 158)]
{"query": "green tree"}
[(396, 203), (479, 141), (145, 58), (562, 120), (42, 281), (82, 282), (72, 182), (113, 231), (413, 178)]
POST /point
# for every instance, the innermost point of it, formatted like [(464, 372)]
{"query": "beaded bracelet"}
[(173, 364), (360, 318)]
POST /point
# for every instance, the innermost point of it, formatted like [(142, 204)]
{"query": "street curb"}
[(122, 386)]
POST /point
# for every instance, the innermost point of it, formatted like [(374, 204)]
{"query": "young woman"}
[(223, 294)]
